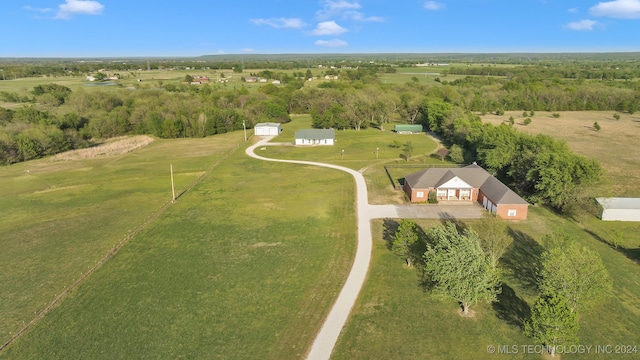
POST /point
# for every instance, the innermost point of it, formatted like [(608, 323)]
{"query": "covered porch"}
[(455, 194)]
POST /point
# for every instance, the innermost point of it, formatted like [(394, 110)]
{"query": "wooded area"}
[(53, 118)]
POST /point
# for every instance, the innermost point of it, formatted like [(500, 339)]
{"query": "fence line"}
[(110, 254)]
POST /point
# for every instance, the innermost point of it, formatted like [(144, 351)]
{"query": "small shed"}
[(408, 128), (619, 209), (267, 129), (315, 137)]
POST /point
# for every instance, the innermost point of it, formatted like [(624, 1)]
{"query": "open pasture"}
[(246, 265), (61, 217), (615, 145)]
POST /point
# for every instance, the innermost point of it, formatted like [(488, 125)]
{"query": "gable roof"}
[(619, 203), (268, 124), (315, 134), (472, 175)]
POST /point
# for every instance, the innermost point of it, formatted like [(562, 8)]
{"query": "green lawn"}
[(359, 147), (395, 319), (244, 266)]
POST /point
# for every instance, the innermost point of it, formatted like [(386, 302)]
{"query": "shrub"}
[(527, 121), (432, 198), (555, 115), (616, 116), (596, 126)]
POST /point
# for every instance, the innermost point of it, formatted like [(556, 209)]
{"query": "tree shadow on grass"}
[(523, 258), (511, 308), (389, 228), (633, 254)]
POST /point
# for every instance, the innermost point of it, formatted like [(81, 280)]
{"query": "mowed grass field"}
[(61, 217), (244, 266), (395, 319), (359, 146)]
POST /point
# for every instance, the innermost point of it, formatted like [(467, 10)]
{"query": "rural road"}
[(328, 335)]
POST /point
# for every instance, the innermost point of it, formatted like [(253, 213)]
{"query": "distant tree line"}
[(538, 167), (60, 120)]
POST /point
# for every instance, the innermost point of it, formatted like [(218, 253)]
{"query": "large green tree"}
[(494, 236), (573, 272), (552, 323), (456, 268), (561, 178), (406, 241)]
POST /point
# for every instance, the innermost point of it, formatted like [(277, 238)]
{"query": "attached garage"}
[(267, 129), (619, 209)]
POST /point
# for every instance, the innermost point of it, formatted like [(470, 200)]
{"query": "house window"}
[(420, 194), (465, 194), (511, 213), (442, 192)]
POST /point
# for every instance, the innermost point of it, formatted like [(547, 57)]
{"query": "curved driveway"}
[(328, 335)]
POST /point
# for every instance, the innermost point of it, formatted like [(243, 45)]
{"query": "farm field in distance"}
[(615, 145), (246, 264)]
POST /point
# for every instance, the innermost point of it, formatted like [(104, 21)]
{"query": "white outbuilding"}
[(267, 129), (620, 209)]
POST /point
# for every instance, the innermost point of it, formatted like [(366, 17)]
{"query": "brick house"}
[(467, 184)]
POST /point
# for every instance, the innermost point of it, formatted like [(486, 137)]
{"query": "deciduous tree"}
[(406, 241), (494, 237), (575, 273), (552, 323), (456, 268)]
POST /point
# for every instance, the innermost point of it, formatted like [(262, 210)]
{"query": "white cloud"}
[(248, 50), (328, 28), (74, 7), (622, 9), (434, 5), (573, 10), (332, 8), (331, 43), (40, 10), (358, 16), (280, 23), (582, 25)]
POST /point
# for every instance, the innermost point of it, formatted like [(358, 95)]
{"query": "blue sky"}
[(99, 28)]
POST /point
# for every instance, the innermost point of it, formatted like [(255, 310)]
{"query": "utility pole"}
[(244, 125), (173, 189)]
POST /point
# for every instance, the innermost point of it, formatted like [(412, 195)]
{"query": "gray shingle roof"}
[(473, 175)]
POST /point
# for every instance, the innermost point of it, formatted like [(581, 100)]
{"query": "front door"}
[(452, 194)]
